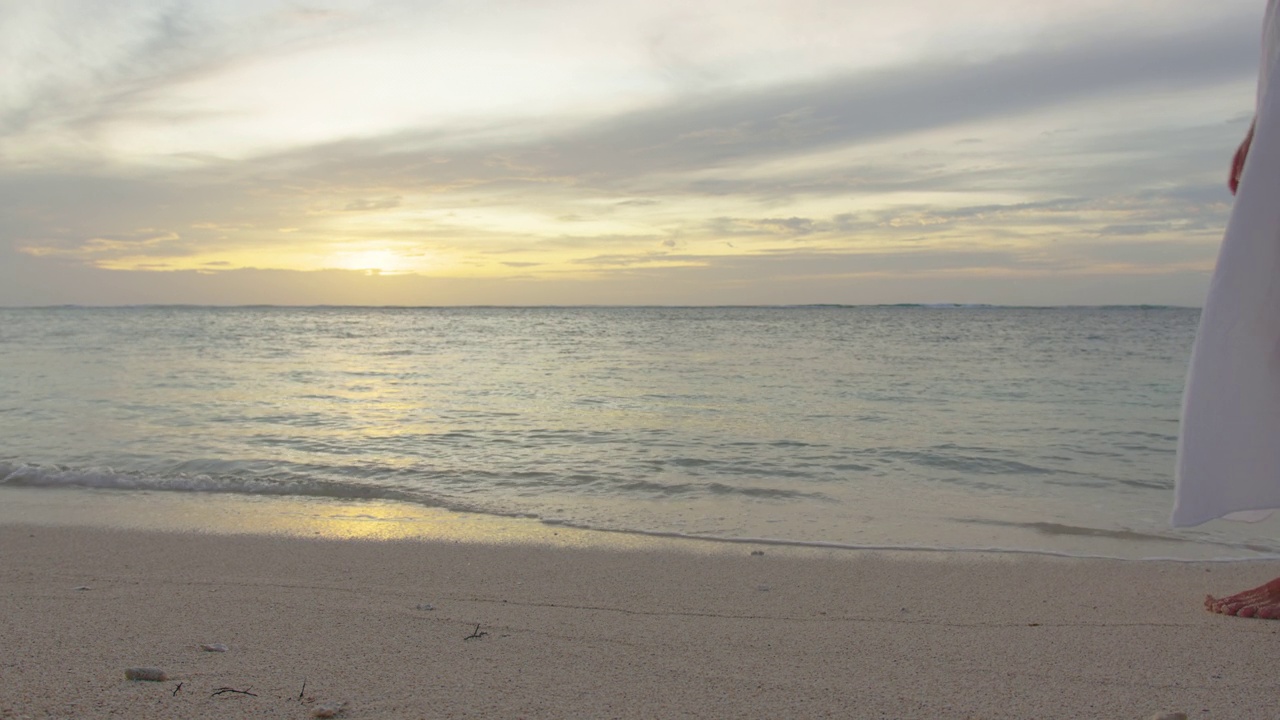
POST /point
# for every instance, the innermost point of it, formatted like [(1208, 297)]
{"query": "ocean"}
[(1046, 430)]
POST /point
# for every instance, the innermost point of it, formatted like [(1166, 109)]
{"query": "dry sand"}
[(579, 632)]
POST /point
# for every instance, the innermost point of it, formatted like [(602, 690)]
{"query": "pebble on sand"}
[(148, 674)]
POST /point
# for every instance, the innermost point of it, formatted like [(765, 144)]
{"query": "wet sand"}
[(449, 629)]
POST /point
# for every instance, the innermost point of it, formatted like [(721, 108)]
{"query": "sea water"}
[(1019, 429)]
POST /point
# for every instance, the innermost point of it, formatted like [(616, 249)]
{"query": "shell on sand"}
[(213, 647), (149, 674)]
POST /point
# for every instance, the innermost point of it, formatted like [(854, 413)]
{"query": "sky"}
[(664, 152)]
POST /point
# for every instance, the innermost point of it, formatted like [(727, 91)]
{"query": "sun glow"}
[(379, 262)]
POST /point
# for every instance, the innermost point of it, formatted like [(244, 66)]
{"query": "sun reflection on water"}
[(316, 518)]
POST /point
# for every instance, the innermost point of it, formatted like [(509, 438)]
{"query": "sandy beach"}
[(444, 629)]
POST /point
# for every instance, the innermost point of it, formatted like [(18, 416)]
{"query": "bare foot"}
[(1260, 602)]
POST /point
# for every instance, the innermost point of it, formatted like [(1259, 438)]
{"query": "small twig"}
[(221, 690), (476, 635), (303, 690), (175, 690)]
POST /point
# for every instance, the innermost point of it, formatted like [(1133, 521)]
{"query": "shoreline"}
[(289, 516), (564, 628)]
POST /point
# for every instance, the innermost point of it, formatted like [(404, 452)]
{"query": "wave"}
[(37, 476), (15, 475), (282, 484)]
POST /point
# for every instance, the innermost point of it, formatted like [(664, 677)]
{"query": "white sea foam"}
[(108, 479)]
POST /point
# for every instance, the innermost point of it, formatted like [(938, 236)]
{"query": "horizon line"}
[(777, 306)]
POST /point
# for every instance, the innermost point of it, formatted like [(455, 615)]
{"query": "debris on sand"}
[(1169, 716), (147, 674), (213, 647), (329, 710)]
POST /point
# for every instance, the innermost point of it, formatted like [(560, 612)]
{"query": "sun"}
[(382, 262)]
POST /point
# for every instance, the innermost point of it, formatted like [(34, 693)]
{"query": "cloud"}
[(789, 226), (371, 204), (640, 159), (863, 107), (787, 278), (1031, 157)]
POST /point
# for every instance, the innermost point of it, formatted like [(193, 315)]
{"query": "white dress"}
[(1229, 448)]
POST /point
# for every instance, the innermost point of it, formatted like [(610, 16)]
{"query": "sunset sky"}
[(441, 152)]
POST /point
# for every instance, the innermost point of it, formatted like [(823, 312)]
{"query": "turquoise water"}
[(1049, 430)]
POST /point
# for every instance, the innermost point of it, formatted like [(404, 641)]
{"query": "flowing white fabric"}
[(1229, 448)]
